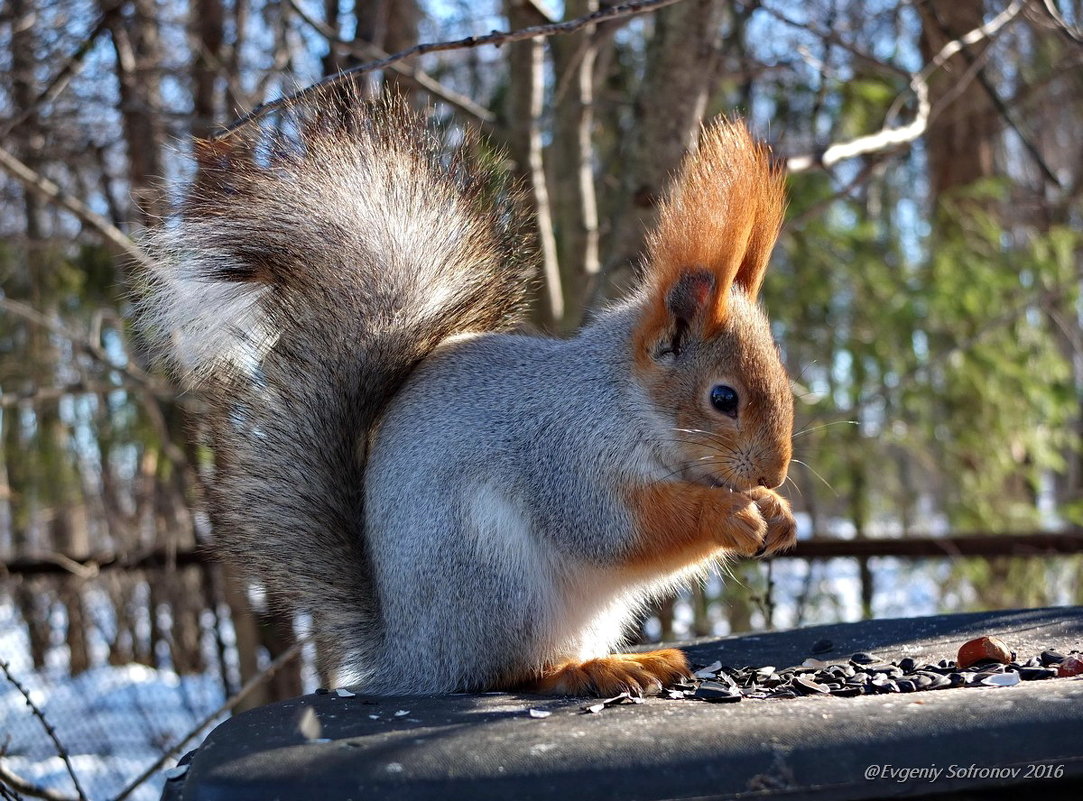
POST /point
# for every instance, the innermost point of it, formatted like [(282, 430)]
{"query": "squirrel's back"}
[(311, 267)]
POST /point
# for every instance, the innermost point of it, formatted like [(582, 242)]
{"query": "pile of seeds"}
[(861, 674)]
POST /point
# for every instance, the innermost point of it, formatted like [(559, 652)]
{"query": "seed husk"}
[(866, 674)]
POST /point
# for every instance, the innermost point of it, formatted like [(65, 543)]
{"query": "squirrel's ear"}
[(722, 215), (682, 309)]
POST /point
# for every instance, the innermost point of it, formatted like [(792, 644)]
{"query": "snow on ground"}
[(114, 722)]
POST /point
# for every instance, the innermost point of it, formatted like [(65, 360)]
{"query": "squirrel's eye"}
[(725, 399)]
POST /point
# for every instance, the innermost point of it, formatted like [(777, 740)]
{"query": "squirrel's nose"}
[(772, 480)]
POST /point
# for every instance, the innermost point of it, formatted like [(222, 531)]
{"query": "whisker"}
[(718, 447), (824, 480), (796, 486), (710, 435), (804, 370), (809, 430), (670, 474)]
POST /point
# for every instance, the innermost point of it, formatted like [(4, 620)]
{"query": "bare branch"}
[(49, 730), (53, 563), (40, 395), (820, 206), (827, 35), (36, 182), (149, 387), (254, 682), (976, 66), (890, 137), (495, 38), (64, 75), (1071, 32), (130, 370), (23, 787), (410, 72)]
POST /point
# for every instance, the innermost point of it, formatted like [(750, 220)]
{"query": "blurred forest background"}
[(926, 290)]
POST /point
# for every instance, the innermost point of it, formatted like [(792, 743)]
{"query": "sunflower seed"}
[(1032, 673), (708, 672), (1001, 680), (807, 686)]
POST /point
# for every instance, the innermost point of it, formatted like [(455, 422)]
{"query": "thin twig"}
[(496, 38), (21, 787), (49, 730), (9, 794), (39, 395), (243, 693), (1074, 34), (54, 563), (64, 75), (827, 35), (137, 380), (410, 72), (977, 63), (820, 206), (890, 137), (36, 182), (130, 370)]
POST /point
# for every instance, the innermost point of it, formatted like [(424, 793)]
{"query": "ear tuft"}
[(715, 232), (723, 213)]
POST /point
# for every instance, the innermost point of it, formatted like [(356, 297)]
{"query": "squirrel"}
[(458, 505)]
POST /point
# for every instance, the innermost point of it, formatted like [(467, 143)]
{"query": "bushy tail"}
[(310, 269)]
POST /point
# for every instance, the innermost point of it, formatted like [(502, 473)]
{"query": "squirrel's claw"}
[(781, 526), (745, 530)]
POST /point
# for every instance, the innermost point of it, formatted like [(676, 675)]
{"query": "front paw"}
[(781, 526), (744, 530)]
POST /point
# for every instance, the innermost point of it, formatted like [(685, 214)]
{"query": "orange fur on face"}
[(611, 675), (700, 326), (753, 449)]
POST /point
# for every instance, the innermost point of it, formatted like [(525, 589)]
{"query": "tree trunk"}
[(525, 100), (138, 51), (28, 142), (571, 166), (961, 141), (207, 24), (683, 62), (391, 25)]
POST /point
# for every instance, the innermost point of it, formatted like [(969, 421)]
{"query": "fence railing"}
[(1020, 544)]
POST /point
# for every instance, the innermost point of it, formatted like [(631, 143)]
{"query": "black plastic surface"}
[(488, 747)]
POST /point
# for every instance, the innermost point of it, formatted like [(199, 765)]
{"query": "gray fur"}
[(308, 273), (550, 429)]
